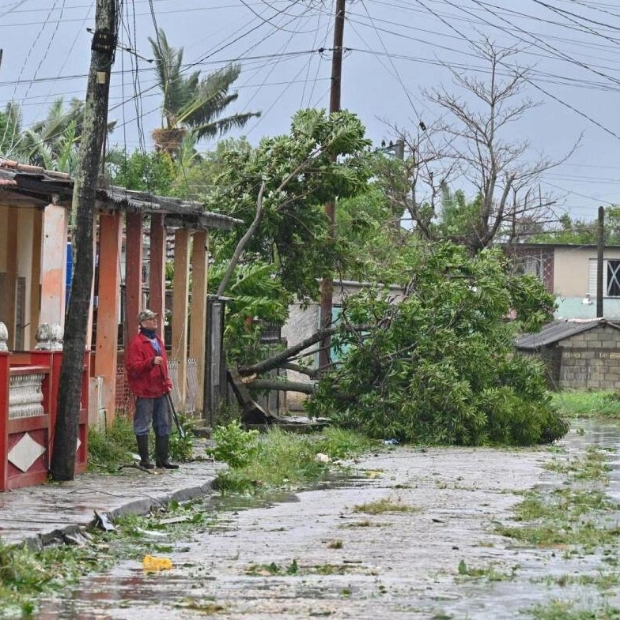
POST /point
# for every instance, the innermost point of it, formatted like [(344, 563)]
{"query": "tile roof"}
[(42, 187)]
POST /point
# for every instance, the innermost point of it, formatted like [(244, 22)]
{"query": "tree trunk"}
[(282, 386), (84, 193), (242, 243), (279, 360)]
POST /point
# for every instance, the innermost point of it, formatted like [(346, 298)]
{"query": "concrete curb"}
[(39, 541)]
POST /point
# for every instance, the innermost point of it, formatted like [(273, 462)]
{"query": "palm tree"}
[(52, 142), (10, 129), (192, 105)]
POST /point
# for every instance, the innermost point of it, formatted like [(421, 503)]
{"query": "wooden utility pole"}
[(84, 196), (600, 246), (327, 285)]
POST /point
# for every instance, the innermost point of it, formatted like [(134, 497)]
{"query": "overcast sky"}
[(397, 48)]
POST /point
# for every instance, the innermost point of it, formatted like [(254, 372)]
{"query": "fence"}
[(125, 401), (29, 384)]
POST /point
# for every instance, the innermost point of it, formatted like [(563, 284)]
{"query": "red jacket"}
[(145, 379)]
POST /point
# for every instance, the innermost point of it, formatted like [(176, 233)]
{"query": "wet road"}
[(324, 553)]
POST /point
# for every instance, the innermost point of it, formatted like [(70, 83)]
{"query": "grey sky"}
[(397, 47)]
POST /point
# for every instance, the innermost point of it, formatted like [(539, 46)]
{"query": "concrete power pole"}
[(600, 247), (84, 196), (327, 285)]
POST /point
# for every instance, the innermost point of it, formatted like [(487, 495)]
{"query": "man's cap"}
[(145, 315)]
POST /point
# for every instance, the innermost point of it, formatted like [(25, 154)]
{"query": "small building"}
[(578, 353), (570, 273)]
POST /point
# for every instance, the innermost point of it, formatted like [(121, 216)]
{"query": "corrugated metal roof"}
[(559, 330), (43, 187)]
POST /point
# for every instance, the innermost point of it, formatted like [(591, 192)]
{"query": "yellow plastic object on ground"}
[(152, 564)]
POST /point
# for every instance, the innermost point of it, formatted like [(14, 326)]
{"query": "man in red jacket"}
[(147, 375)]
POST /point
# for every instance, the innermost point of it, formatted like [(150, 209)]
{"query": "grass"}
[(488, 573), (382, 506), (584, 404), (566, 610), (571, 515), (114, 446), (601, 580), (110, 448), (593, 466), (280, 459), (295, 569)]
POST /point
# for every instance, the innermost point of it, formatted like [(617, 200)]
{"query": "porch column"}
[(198, 309), (157, 270), (108, 310), (133, 275), (53, 266), (10, 291), (180, 306), (96, 263), (36, 276)]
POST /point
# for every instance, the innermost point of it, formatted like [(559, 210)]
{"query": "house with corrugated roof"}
[(35, 206), (577, 353)]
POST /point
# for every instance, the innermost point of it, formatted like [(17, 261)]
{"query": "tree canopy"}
[(323, 156), (439, 365), (582, 232)]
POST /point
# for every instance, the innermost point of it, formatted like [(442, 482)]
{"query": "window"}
[(613, 278), (532, 266)]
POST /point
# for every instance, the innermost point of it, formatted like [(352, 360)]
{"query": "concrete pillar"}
[(35, 275), (133, 274), (53, 265), (180, 306), (9, 292), (157, 270), (96, 263), (198, 309), (108, 310)]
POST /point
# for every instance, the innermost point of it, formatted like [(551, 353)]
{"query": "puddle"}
[(269, 499)]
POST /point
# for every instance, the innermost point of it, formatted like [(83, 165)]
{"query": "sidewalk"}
[(37, 515)]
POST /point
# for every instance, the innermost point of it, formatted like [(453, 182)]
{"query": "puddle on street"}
[(210, 576)]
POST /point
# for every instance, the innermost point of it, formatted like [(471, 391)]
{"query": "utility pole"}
[(600, 247), (327, 285), (84, 195)]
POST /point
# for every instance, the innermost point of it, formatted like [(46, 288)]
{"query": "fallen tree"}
[(438, 367)]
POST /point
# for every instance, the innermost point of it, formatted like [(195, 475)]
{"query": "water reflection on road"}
[(319, 554)]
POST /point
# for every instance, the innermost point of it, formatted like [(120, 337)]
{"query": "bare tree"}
[(469, 146)]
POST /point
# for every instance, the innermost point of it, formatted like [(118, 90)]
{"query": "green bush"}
[(233, 445), (181, 448)]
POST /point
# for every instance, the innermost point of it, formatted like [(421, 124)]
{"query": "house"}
[(570, 273), (577, 353), (35, 207)]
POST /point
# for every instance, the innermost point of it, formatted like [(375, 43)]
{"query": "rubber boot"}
[(143, 449), (161, 453)]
